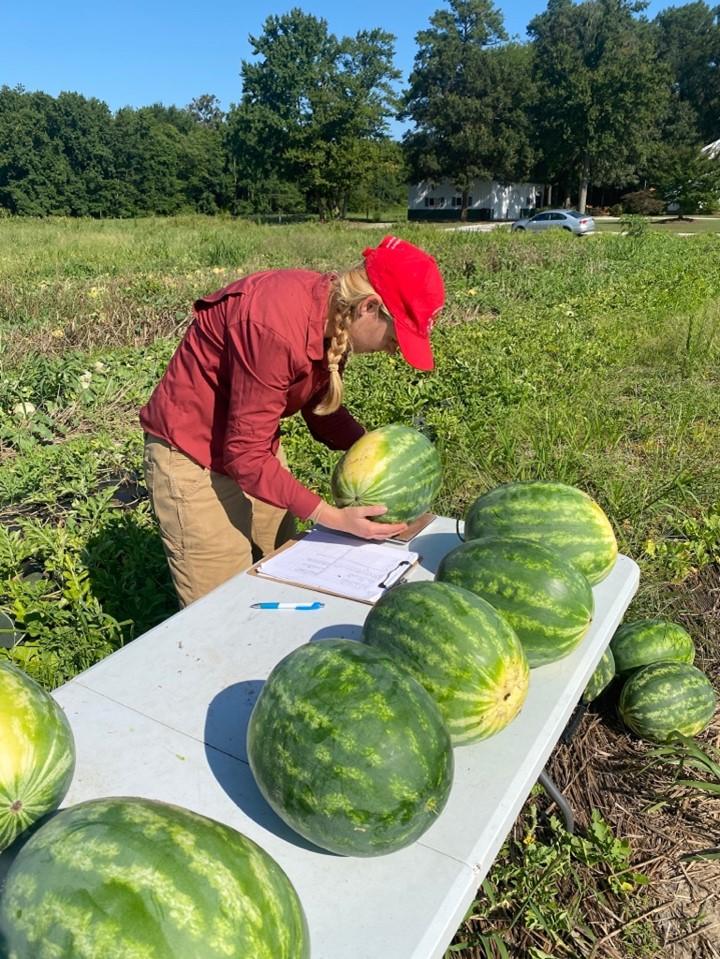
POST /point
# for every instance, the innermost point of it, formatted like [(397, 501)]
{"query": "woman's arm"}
[(258, 374), (338, 430)]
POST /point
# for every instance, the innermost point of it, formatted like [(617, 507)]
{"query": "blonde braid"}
[(348, 290)]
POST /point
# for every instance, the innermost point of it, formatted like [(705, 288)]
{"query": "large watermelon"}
[(393, 466), (648, 641), (601, 678), (459, 648), (665, 698), (349, 750), (545, 598), (138, 879), (554, 514), (37, 753)]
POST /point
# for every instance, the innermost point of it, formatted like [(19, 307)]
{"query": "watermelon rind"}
[(545, 598), (601, 678), (647, 641), (37, 753), (554, 514), (130, 878), (459, 648), (662, 699), (393, 466), (349, 750)]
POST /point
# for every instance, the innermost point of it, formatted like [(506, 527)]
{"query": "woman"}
[(263, 348)]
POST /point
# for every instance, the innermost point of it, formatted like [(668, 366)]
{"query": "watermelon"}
[(37, 753), (665, 698), (349, 750), (554, 514), (393, 466), (128, 878), (601, 678), (544, 597), (459, 648), (647, 641)]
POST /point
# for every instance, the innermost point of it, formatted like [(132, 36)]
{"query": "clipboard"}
[(417, 526), (339, 564)]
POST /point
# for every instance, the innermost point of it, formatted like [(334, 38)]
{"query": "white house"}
[(487, 200)]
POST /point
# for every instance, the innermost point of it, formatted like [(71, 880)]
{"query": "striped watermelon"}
[(545, 598), (556, 515), (393, 466), (666, 698), (648, 641), (137, 879), (349, 751), (459, 648), (601, 678), (37, 753)]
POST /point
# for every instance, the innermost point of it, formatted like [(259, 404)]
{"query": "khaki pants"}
[(210, 529)]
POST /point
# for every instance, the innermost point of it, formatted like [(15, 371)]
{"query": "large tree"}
[(310, 101), (601, 91), (468, 98), (689, 41)]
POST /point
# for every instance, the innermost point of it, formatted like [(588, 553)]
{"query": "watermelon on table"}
[(601, 678), (664, 698), (459, 648), (545, 598), (37, 753), (127, 878), (647, 641), (348, 749), (394, 466), (553, 514)]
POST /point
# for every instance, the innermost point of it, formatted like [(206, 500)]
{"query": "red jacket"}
[(254, 354)]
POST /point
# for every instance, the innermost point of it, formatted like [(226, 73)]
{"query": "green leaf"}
[(702, 854), (713, 788)]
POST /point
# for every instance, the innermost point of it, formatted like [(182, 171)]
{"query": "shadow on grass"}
[(129, 574)]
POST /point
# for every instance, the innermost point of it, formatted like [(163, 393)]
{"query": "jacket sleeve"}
[(260, 371), (338, 430)]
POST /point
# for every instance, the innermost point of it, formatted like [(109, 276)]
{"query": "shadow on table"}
[(432, 547), (225, 733)]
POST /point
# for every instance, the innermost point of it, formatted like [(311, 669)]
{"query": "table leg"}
[(558, 798)]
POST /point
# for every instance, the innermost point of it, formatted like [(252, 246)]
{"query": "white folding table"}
[(166, 716)]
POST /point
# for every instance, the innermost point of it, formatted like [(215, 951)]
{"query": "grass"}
[(595, 363)]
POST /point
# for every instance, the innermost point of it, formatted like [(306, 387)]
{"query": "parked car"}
[(578, 223)]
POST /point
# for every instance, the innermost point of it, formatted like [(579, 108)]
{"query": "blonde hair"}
[(348, 290)]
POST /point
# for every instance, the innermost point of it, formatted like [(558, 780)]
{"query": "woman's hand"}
[(357, 521)]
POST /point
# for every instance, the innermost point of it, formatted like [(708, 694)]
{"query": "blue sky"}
[(142, 51)]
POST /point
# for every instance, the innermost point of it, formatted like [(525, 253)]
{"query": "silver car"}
[(578, 223)]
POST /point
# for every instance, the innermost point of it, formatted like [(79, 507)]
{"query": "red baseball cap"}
[(409, 283)]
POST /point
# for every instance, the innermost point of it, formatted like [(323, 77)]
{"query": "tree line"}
[(599, 97)]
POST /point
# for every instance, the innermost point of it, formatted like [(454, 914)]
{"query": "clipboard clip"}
[(390, 579)]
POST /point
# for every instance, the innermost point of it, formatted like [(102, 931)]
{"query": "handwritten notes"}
[(335, 563)]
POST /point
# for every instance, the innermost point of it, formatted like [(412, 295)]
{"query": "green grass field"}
[(594, 363)]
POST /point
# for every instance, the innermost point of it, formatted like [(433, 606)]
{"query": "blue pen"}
[(300, 606)]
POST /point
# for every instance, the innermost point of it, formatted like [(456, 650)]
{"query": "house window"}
[(441, 201), (469, 201), (457, 201), (429, 201)]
